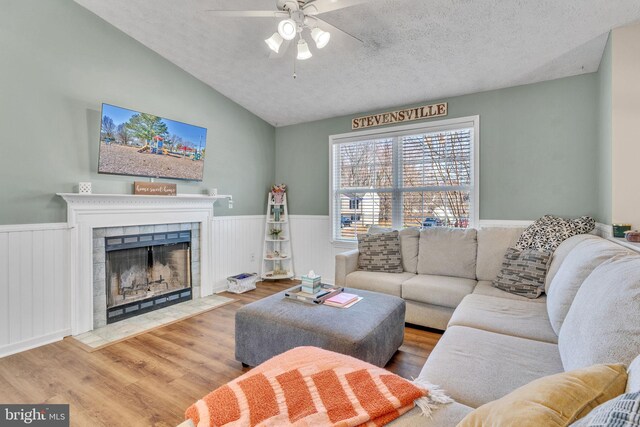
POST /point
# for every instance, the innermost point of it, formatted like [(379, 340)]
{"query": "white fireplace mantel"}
[(88, 211)]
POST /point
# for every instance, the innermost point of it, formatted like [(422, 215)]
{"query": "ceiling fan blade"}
[(248, 13), (330, 28), (283, 49), (316, 7)]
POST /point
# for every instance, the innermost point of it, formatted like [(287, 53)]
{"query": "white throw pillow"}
[(603, 323)]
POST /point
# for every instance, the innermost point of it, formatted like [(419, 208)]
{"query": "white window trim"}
[(402, 130)]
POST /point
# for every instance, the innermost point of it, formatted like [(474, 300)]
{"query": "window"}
[(406, 176)]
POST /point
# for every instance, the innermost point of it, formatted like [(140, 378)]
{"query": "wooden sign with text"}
[(154, 188), (399, 116)]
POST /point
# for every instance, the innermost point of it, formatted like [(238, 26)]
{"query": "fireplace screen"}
[(146, 272)]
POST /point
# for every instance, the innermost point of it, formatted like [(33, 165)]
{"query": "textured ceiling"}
[(413, 51)]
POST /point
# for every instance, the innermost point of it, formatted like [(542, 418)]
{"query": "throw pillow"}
[(409, 238), (548, 232), (623, 411), (556, 400), (380, 252), (310, 386), (523, 272)]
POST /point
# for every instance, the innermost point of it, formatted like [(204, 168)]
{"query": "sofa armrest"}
[(346, 262)]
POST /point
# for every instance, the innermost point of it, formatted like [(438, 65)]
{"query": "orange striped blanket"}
[(308, 386)]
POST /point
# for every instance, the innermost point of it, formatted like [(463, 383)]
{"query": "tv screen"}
[(140, 144)]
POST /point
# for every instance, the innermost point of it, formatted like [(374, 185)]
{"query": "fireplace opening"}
[(146, 272)]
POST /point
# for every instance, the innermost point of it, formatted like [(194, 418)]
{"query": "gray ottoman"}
[(372, 330)]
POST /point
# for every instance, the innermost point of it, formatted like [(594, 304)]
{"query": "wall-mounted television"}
[(141, 144)]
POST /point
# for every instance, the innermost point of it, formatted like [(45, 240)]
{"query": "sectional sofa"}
[(441, 267), (494, 341)]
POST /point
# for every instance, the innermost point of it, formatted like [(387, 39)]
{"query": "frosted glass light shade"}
[(288, 29), (303, 50), (274, 42), (320, 37)]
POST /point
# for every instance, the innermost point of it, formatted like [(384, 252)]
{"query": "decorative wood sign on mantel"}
[(399, 116), (154, 188)]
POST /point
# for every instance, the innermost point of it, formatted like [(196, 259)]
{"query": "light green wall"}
[(537, 151), (604, 158), (59, 62)]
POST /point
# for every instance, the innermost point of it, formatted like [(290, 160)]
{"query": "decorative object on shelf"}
[(84, 188), (242, 282), (298, 18), (154, 188), (277, 260), (213, 191), (620, 229), (632, 236), (275, 233), (278, 193)]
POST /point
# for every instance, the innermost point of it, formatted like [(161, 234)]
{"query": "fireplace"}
[(145, 272)]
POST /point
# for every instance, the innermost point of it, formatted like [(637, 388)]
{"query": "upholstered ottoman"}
[(371, 330)]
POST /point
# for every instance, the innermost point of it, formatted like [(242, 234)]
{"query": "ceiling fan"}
[(297, 16)]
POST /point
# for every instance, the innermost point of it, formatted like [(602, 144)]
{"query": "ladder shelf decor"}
[(277, 260)]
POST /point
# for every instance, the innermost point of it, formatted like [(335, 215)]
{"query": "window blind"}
[(400, 180)]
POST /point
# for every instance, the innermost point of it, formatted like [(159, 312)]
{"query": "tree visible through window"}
[(421, 179)]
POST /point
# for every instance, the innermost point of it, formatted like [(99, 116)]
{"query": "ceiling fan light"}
[(320, 37), (303, 50), (288, 29), (274, 42)]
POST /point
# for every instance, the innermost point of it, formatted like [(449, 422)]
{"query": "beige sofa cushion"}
[(444, 416), (448, 252), (523, 319), (493, 242), (579, 263), (561, 253), (486, 288), (386, 283), (437, 290), (603, 323), (475, 366), (409, 242)]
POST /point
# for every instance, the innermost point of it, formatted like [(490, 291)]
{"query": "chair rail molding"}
[(88, 211)]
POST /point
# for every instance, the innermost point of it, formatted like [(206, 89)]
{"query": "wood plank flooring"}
[(150, 380)]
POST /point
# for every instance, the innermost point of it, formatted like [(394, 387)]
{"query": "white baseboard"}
[(18, 347)]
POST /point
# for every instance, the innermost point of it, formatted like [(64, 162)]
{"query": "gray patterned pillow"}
[(623, 411), (548, 232), (523, 272), (380, 252)]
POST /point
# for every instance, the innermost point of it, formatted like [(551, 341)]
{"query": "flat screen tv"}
[(141, 144)]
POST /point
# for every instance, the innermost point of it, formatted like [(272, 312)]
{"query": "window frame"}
[(396, 132)]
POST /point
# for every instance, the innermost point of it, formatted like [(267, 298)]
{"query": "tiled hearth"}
[(99, 260)]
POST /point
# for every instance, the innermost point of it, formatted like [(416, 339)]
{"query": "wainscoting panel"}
[(312, 249), (34, 285), (237, 247)]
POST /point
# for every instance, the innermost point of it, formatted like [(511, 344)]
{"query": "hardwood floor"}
[(152, 378)]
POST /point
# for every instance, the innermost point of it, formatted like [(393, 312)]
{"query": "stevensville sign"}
[(399, 116)]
